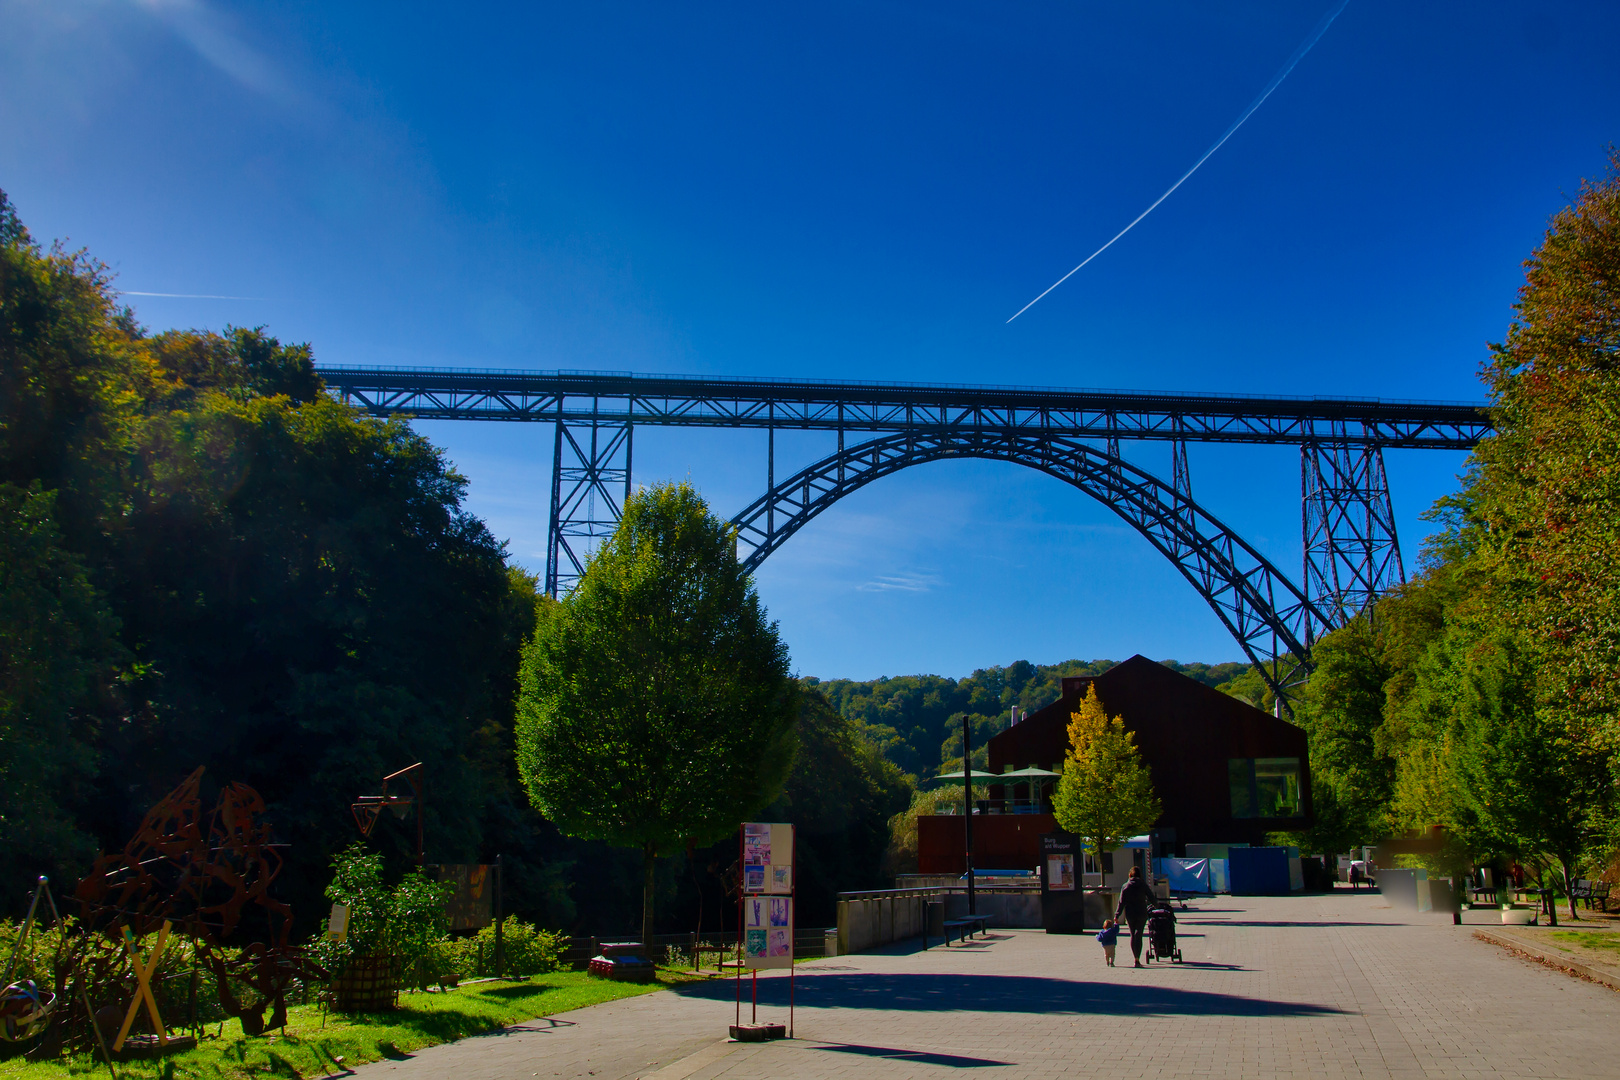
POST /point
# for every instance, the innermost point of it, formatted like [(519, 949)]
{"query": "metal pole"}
[(967, 808), (793, 928), (28, 924), (78, 979), (500, 885), (742, 876)]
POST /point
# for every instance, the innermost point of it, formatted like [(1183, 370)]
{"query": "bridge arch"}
[(1268, 615)]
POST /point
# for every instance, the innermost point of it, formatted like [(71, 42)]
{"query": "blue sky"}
[(839, 190)]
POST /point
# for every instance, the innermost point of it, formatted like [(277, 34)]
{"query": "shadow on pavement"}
[(928, 992), (950, 1061), (1279, 923)]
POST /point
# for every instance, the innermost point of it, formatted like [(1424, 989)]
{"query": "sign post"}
[(765, 919)]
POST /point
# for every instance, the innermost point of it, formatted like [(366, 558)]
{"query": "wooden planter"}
[(368, 984)]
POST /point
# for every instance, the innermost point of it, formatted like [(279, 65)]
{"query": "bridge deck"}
[(671, 400)]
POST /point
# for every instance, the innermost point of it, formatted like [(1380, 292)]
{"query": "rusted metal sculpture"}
[(210, 877), (367, 808)]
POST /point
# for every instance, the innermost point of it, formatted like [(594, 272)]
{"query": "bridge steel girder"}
[(1267, 614), (590, 481), (809, 405), (1352, 554)]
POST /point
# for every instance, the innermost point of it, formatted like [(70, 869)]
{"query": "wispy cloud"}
[(916, 583), (212, 37)]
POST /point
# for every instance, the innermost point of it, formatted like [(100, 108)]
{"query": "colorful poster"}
[(756, 845), (1060, 873), (767, 855), (767, 931)]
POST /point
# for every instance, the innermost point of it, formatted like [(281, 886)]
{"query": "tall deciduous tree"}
[(1106, 794), (1547, 489), (656, 705)]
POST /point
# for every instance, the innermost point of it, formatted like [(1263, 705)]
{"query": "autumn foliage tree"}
[(1483, 696), (1106, 793)]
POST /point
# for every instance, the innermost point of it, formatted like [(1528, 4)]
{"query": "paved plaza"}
[(1322, 986)]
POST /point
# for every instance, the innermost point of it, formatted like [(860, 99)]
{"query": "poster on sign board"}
[(768, 931), (1060, 873), (767, 858)]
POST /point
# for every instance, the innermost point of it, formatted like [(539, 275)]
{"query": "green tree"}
[(1106, 793), (656, 706), (294, 596), (1524, 784), (1342, 710), (840, 797), (58, 648), (1547, 487)]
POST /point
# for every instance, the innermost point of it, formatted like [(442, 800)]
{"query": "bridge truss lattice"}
[(1352, 553)]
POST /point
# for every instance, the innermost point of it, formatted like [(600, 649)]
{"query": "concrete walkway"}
[(1335, 986)]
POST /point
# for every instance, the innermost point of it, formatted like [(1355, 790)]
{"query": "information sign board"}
[(767, 895)]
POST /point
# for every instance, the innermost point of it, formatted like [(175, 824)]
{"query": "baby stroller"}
[(1161, 934)]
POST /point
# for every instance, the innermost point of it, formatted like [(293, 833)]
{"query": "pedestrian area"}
[(1320, 986)]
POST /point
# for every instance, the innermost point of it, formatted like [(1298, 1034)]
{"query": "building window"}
[(1265, 787)]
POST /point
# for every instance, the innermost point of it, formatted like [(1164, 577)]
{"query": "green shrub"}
[(409, 920), (525, 949)]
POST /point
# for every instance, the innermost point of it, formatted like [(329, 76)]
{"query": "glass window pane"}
[(1240, 778), (1276, 782)]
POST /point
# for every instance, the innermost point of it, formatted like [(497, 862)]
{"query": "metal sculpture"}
[(368, 808), (209, 876)]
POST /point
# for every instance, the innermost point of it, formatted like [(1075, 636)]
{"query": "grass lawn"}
[(1606, 941), (309, 1049)]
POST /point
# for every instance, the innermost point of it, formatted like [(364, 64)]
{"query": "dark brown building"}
[(1226, 772)]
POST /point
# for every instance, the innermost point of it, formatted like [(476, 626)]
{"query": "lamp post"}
[(967, 809)]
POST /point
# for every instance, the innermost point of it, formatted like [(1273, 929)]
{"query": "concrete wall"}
[(871, 923), (1009, 909)]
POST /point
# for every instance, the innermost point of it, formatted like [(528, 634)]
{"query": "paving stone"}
[(1339, 986)]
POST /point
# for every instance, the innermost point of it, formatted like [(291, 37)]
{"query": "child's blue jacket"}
[(1108, 936)]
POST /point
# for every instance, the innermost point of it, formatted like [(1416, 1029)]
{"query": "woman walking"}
[(1133, 905)]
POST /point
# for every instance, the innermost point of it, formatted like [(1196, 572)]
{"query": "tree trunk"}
[(649, 860), (1569, 889)]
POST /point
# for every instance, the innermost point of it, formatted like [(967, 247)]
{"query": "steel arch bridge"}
[(1352, 553)]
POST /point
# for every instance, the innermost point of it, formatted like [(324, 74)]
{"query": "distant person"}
[(1355, 876), (1134, 899), (1108, 936)]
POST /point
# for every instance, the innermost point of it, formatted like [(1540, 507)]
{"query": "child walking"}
[(1109, 937)]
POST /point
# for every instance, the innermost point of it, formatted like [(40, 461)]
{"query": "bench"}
[(1593, 892), (962, 928)]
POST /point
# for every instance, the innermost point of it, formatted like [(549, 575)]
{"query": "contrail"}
[(1276, 81), (187, 295)]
